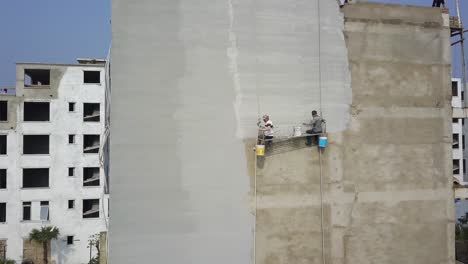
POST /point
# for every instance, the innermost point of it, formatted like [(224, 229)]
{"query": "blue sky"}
[(51, 31), (62, 30)]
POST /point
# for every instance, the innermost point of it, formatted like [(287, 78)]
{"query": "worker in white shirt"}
[(267, 129)]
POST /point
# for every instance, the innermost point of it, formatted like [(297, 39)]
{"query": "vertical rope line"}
[(319, 57), (321, 114), (321, 205)]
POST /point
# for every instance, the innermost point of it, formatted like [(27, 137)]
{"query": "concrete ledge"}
[(390, 13)]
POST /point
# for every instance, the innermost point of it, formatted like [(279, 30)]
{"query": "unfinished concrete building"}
[(50, 172), (190, 79)]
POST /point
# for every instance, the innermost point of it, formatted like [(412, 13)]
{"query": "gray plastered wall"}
[(189, 81)]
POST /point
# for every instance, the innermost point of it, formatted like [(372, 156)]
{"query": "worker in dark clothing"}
[(316, 128), (438, 3)]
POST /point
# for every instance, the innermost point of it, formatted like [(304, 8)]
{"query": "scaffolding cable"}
[(320, 149)]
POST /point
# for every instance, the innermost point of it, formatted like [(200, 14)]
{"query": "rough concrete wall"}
[(397, 152), (34, 251), (387, 178), (190, 78)]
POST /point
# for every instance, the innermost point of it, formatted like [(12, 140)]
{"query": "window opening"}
[(456, 167), (91, 176), (36, 178), (26, 211), (71, 139), (69, 240), (36, 77), (2, 212), (91, 208), (91, 112), (36, 111), (3, 178), (464, 166), (454, 89), (91, 77), (3, 144), (71, 107), (71, 171), (3, 111), (91, 143), (44, 211), (71, 204), (455, 141), (36, 144)]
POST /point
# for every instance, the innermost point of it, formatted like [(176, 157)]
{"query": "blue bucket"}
[(322, 142)]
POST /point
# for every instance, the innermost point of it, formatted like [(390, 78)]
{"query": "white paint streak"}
[(232, 53)]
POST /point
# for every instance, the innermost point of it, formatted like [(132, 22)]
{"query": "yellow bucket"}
[(260, 150)]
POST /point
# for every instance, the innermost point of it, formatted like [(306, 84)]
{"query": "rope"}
[(319, 58), (321, 114), (321, 205)]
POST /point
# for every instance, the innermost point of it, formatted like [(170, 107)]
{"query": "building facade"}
[(51, 173), (459, 132), (189, 179)]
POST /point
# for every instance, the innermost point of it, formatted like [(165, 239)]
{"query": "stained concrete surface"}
[(191, 78)]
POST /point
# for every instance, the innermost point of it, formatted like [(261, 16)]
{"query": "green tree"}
[(44, 236), (7, 261)]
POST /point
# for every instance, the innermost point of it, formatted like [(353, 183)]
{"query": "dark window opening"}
[(71, 139), (91, 208), (3, 111), (463, 141), (91, 176), (71, 204), (3, 144), (69, 240), (454, 120), (91, 112), (456, 167), (36, 111), (91, 77), (36, 144), (462, 95), (2, 212), (71, 172), (71, 107), (454, 89), (26, 211), (36, 77), (91, 144), (44, 213), (36, 178), (3, 178), (455, 141), (464, 166)]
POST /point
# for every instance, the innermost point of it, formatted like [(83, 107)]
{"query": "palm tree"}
[(44, 236)]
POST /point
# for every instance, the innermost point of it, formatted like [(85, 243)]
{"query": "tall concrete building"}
[(190, 78), (51, 174)]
